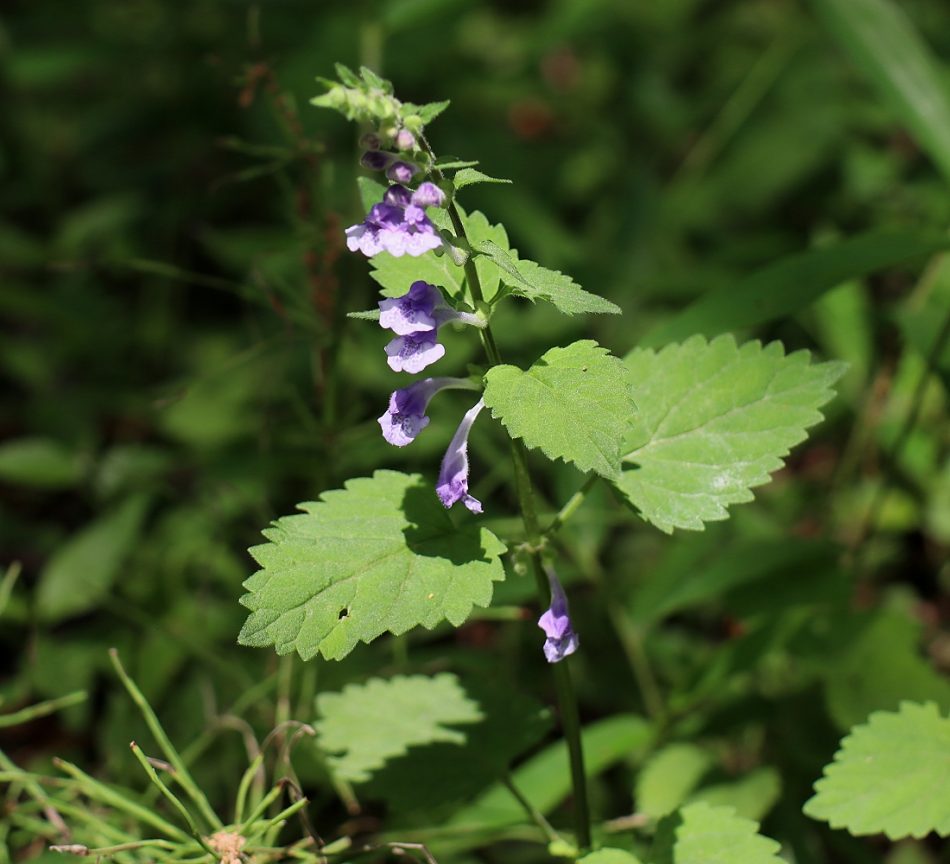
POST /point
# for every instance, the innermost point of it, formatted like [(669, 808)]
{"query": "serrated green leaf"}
[(469, 176), (609, 856), (413, 710), (395, 275), (379, 555), (83, 570), (374, 81), (534, 282), (574, 404), (428, 112), (433, 779), (668, 777), (448, 163), (890, 776), (346, 75), (480, 230), (700, 834), (752, 796), (714, 421)]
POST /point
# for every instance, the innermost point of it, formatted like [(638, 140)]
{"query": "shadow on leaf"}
[(432, 534)]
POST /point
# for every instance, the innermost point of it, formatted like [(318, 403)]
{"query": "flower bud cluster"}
[(392, 151)]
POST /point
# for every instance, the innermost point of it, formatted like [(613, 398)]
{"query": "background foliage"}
[(178, 371)]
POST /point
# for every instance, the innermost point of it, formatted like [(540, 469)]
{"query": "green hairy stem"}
[(567, 699)]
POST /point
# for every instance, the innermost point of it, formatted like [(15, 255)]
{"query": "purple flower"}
[(453, 475), (401, 172), (406, 416), (561, 639), (413, 312), (428, 195), (419, 310), (414, 318), (382, 229), (396, 225), (413, 352)]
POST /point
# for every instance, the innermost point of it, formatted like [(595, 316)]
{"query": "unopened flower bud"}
[(387, 133), (405, 140), (453, 475), (374, 160), (561, 640), (401, 172), (371, 141), (428, 195)]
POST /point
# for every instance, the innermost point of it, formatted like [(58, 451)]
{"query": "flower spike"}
[(561, 639), (453, 475)]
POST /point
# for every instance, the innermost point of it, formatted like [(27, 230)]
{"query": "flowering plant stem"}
[(567, 700)]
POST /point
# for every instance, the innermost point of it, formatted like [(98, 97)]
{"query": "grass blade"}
[(793, 283), (883, 43), (181, 773)]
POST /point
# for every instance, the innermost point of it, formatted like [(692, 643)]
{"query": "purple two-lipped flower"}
[(398, 224), (415, 318), (413, 312), (406, 416), (413, 352), (561, 640), (452, 485)]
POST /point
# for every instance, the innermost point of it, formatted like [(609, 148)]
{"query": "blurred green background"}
[(177, 369)]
